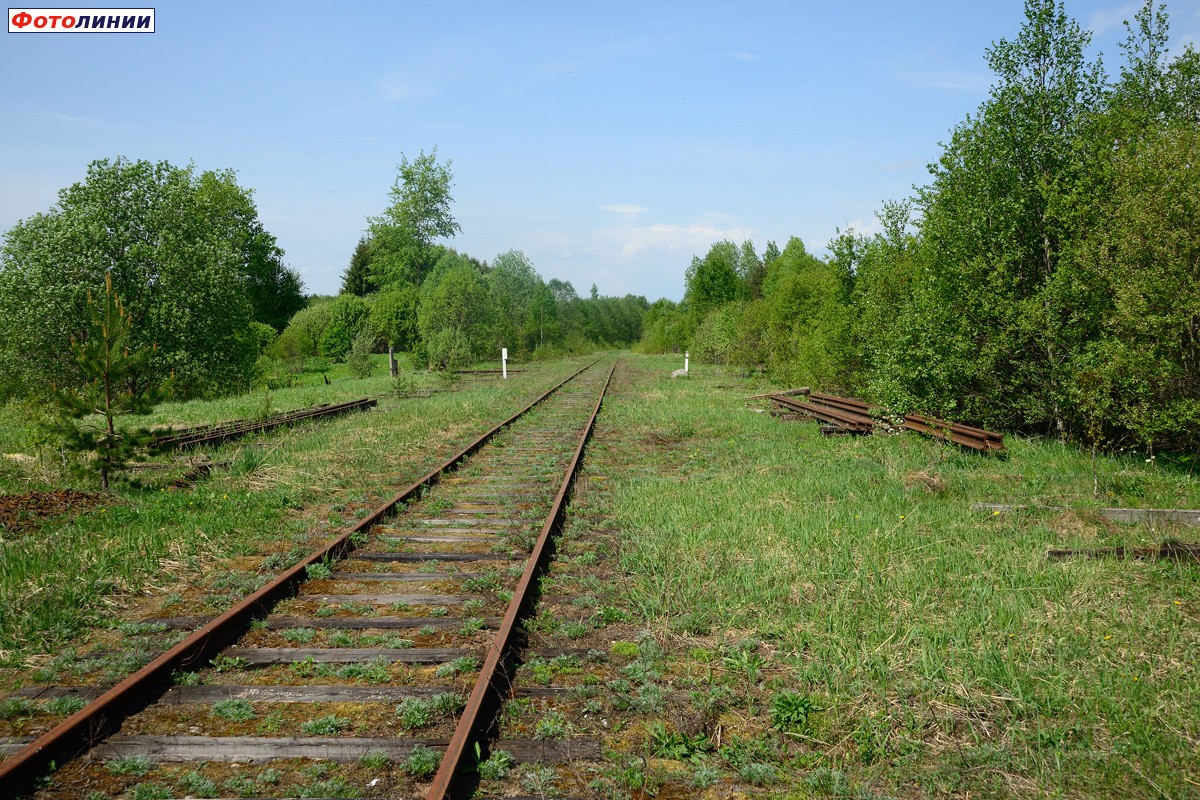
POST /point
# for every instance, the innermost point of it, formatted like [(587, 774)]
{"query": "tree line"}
[(404, 290), (1046, 279), (209, 307)]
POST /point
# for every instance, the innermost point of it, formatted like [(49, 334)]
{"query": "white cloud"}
[(860, 228), (628, 209), (692, 238), (744, 56)]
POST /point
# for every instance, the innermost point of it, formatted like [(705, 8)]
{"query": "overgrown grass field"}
[(943, 652)]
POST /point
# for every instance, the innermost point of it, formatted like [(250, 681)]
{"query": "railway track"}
[(381, 659), (205, 435)]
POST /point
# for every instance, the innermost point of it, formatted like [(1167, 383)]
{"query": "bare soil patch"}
[(21, 513)]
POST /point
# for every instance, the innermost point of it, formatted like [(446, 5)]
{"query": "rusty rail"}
[(20, 773), (958, 433), (199, 436), (859, 416), (846, 420), (488, 693)]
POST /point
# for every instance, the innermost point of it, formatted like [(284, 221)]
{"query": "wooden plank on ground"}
[(345, 655), (326, 748), (11, 744), (368, 623), (1153, 516), (203, 695), (390, 599), (461, 536), (409, 558), (410, 577)]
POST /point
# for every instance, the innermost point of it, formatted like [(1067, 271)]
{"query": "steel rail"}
[(487, 695), (21, 772), (847, 419), (174, 437), (966, 435), (185, 439), (845, 403)]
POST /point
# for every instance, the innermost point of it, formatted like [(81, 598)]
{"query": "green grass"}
[(64, 579), (935, 646)]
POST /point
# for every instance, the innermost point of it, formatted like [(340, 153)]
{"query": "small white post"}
[(504, 362), (686, 356)]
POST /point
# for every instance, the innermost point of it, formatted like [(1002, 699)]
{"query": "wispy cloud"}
[(1104, 20), (948, 79), (627, 209), (396, 86), (59, 116), (745, 56)]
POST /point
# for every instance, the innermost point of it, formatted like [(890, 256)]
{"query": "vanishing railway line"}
[(390, 648)]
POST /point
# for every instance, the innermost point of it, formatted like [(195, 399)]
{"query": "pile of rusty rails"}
[(201, 435), (848, 415)]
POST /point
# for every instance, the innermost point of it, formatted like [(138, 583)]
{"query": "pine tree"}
[(115, 384)]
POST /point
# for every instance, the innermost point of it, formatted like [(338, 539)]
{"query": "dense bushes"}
[(1049, 282)]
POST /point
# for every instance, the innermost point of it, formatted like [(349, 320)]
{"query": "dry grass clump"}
[(926, 479)]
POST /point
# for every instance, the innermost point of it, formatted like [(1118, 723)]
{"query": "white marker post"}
[(686, 356), (504, 363)]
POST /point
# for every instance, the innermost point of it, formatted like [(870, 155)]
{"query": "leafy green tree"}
[(359, 358), (348, 314), (716, 340), (543, 330), (712, 281), (1143, 374), (275, 291), (456, 313), (770, 253), (175, 245), (513, 284), (663, 328), (806, 321), (403, 236), (301, 338), (115, 382), (394, 316), (264, 336), (751, 269), (995, 245)]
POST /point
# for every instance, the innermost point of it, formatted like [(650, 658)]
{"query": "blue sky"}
[(609, 141)]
